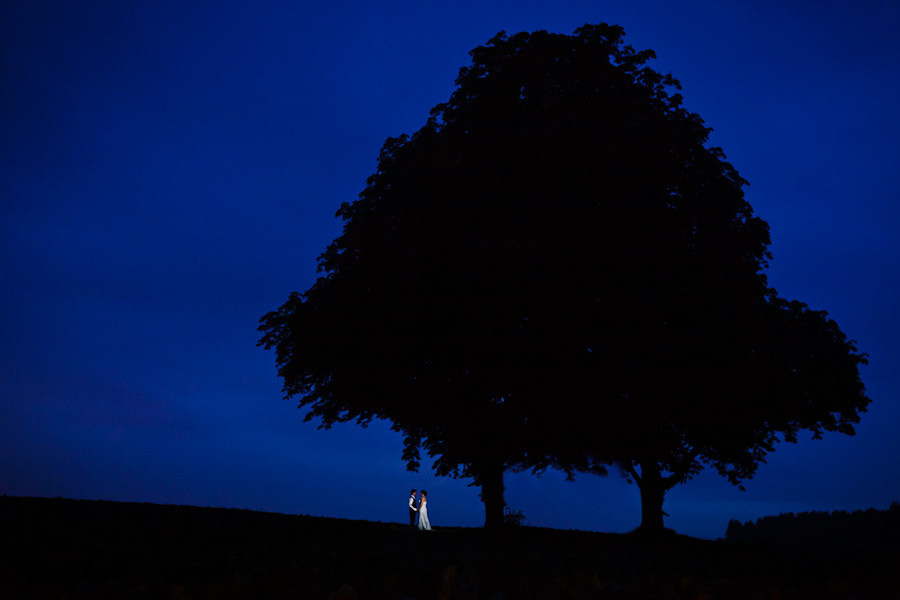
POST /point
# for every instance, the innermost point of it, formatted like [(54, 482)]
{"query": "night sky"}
[(169, 172)]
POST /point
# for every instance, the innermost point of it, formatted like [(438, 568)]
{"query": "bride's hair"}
[(424, 493)]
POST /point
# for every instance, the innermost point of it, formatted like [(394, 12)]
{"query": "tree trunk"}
[(653, 492), (491, 481)]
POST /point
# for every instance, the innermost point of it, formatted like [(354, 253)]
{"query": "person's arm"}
[(411, 504)]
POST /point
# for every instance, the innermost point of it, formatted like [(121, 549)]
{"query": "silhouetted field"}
[(90, 549)]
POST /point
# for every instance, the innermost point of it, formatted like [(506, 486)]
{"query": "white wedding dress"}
[(424, 523)]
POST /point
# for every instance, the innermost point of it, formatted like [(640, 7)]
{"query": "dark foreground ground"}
[(85, 549)]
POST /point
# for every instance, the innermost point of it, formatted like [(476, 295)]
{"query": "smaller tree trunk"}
[(653, 492)]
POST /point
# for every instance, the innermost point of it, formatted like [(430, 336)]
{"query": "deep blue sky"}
[(169, 172)]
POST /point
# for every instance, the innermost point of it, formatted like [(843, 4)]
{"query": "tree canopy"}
[(557, 270)]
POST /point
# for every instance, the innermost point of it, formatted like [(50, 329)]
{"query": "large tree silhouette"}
[(556, 270)]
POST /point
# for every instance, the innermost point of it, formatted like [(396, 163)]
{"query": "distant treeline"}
[(859, 528)]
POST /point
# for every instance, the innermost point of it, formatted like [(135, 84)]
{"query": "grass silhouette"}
[(55, 548)]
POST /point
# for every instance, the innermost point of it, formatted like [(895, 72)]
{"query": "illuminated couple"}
[(419, 508)]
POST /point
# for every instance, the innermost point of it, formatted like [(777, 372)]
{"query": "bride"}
[(424, 523)]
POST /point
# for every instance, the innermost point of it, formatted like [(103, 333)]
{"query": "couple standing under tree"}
[(419, 508)]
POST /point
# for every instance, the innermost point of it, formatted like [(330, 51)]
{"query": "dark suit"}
[(412, 510)]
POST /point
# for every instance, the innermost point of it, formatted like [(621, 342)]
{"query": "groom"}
[(412, 507)]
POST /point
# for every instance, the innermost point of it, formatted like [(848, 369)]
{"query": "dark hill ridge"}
[(58, 548)]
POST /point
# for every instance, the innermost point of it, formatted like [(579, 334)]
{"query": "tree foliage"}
[(557, 270)]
